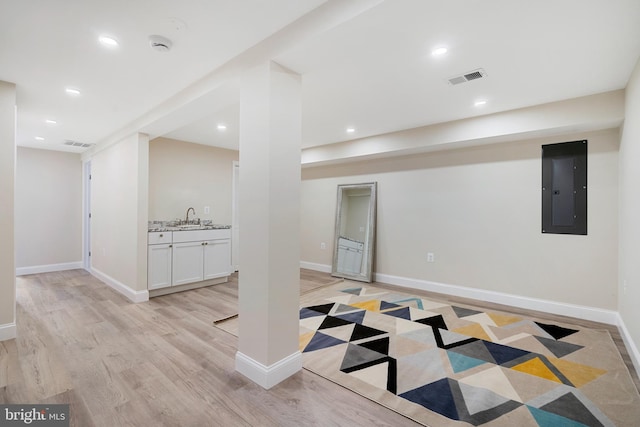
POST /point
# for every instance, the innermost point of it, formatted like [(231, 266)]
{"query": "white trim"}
[(634, 353), (134, 296), (573, 310), (8, 331), (268, 376), (21, 271), (315, 267)]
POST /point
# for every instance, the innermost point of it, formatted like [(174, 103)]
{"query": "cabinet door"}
[(187, 262), (217, 258), (159, 266)]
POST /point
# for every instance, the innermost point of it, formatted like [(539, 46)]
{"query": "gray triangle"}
[(343, 308), (464, 312), (559, 348), (449, 337), (357, 356), (569, 406), (475, 349), (480, 399)]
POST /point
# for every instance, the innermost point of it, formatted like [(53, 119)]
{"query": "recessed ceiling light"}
[(39, 138), (107, 41), (351, 130), (72, 91), (222, 126), (50, 122), (439, 51), (480, 103)]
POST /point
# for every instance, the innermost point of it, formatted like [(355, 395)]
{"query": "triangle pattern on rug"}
[(538, 368), (306, 313), (570, 407), (479, 399), (436, 397), (358, 357), (493, 379), (354, 291), (355, 317), (449, 338), (344, 308), (381, 345), (402, 313), (557, 332), (503, 353), (371, 305), (384, 305), (375, 375), (323, 308), (361, 332), (332, 322), (340, 332), (548, 419), (559, 348), (460, 362), (320, 341), (464, 312)]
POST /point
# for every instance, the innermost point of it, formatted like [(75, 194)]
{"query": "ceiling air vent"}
[(77, 144), (467, 77)]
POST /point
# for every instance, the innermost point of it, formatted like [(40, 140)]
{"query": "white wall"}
[(119, 207), (479, 211), (7, 191), (629, 286), (48, 223), (183, 175)]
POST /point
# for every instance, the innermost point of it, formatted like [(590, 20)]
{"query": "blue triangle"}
[(460, 362), (305, 313), (402, 313), (357, 317), (502, 353), (547, 419), (436, 397), (384, 305), (320, 341), (354, 291)]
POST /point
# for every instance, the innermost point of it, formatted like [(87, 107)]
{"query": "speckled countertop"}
[(173, 226)]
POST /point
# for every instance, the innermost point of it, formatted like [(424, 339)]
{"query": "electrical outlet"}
[(624, 287), (431, 257), (323, 245), (207, 209)]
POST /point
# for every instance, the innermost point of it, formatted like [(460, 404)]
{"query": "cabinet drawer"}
[(158, 237), (200, 235)]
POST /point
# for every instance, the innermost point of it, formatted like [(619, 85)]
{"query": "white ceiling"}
[(374, 72)]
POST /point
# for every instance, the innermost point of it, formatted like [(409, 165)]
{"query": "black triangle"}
[(557, 332), (361, 331), (324, 308), (381, 345), (435, 321), (332, 322)]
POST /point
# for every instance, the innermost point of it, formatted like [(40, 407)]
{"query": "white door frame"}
[(86, 215), (235, 227)]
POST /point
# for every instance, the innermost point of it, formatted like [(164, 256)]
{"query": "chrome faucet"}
[(187, 218)]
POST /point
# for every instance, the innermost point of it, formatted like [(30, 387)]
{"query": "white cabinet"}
[(159, 261), (183, 257), (217, 258), (188, 262)]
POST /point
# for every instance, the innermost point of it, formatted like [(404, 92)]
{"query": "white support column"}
[(7, 206), (269, 216)]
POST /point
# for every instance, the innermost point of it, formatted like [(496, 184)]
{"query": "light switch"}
[(207, 210)]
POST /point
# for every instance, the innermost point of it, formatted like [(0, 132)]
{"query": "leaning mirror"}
[(354, 240)]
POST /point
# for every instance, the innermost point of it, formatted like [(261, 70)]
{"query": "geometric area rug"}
[(455, 365)]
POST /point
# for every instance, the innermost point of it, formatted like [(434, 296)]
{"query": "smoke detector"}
[(160, 43)]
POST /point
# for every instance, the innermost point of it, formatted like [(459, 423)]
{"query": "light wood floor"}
[(162, 363)]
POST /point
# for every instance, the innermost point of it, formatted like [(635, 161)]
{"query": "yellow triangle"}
[(578, 374), (371, 305), (475, 330), (304, 339), (502, 320), (538, 368)]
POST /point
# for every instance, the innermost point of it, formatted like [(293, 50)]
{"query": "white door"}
[(217, 258), (159, 266), (188, 262)]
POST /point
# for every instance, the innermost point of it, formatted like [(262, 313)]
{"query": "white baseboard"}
[(134, 296), (21, 271), (315, 267), (8, 331), (578, 311), (268, 376), (634, 353)]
